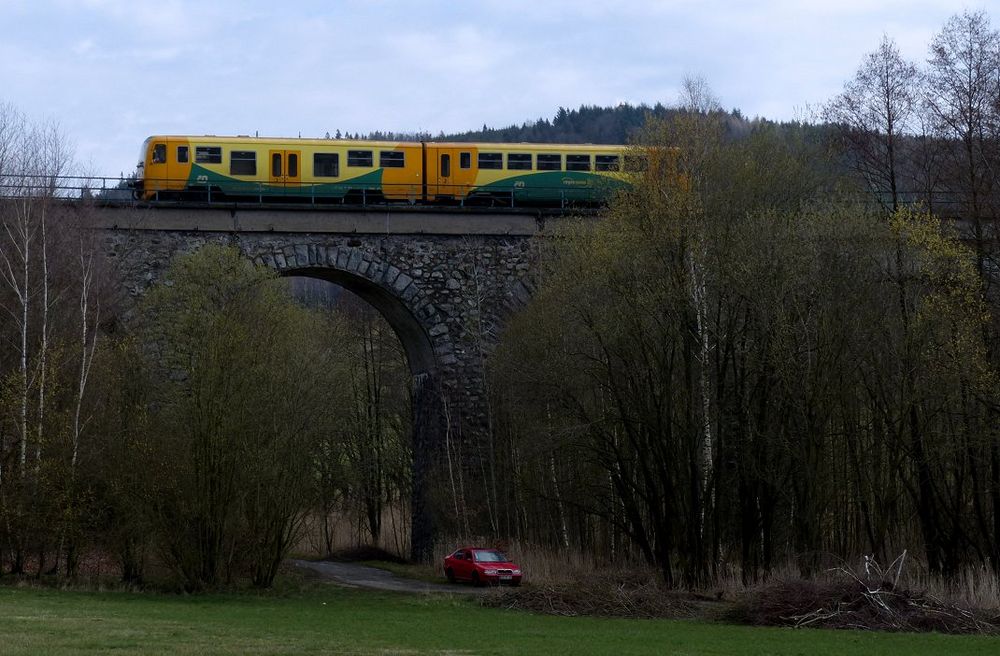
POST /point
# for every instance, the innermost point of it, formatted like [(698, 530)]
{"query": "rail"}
[(178, 193), (65, 187)]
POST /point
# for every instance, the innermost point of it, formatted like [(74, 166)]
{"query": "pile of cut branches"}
[(870, 600)]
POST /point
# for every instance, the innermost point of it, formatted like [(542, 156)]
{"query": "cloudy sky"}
[(111, 72)]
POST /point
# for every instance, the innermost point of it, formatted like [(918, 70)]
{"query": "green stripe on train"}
[(551, 186), (202, 177), (555, 186)]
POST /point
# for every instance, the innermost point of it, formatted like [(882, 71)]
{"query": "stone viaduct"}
[(446, 281)]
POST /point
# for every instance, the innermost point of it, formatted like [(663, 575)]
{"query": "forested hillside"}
[(588, 124)]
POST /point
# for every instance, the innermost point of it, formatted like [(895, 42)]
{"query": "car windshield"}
[(489, 557)]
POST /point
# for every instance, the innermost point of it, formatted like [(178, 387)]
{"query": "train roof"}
[(238, 139), (242, 139), (526, 144)]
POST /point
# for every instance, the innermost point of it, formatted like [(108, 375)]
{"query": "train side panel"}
[(402, 172)]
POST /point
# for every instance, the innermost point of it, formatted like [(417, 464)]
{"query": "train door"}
[(446, 182), (285, 168), (156, 168), (179, 164), (450, 172), (432, 172)]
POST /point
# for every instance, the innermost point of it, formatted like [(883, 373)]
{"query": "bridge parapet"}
[(401, 220)]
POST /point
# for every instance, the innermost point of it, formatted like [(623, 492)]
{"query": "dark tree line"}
[(746, 379), (747, 364), (588, 124), (197, 431), (620, 124), (931, 134), (204, 436)]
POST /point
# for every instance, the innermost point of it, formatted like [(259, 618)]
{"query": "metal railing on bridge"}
[(127, 190), (499, 196), (65, 187)]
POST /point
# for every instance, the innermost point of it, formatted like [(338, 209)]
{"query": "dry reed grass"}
[(974, 587), (350, 533)]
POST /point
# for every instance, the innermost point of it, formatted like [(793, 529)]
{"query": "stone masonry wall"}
[(460, 290)]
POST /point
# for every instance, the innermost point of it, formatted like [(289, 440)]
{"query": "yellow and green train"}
[(328, 170)]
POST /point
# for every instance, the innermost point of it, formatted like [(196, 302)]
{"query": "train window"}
[(491, 160), (391, 159), (465, 160), (634, 164), (326, 165), (243, 162), (208, 154), (359, 158), (577, 162), (159, 153), (293, 165), (446, 166), (606, 163), (275, 165), (548, 162), (182, 154), (519, 161)]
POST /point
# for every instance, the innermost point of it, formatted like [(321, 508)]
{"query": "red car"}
[(481, 566)]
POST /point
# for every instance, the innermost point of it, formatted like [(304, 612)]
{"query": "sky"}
[(112, 72)]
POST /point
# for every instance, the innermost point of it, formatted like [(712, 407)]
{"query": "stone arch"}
[(424, 335), (397, 296)]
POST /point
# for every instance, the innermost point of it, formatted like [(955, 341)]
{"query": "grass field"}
[(321, 618)]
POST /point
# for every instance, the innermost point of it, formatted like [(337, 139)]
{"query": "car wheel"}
[(450, 575), (475, 579)]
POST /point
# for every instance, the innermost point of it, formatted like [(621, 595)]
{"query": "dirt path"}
[(362, 576)]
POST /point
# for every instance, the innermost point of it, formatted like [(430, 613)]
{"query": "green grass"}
[(325, 619)]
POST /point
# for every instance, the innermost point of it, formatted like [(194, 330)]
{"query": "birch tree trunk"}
[(44, 349)]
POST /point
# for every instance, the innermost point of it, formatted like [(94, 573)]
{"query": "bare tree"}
[(32, 158), (961, 92), (963, 98), (873, 114)]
